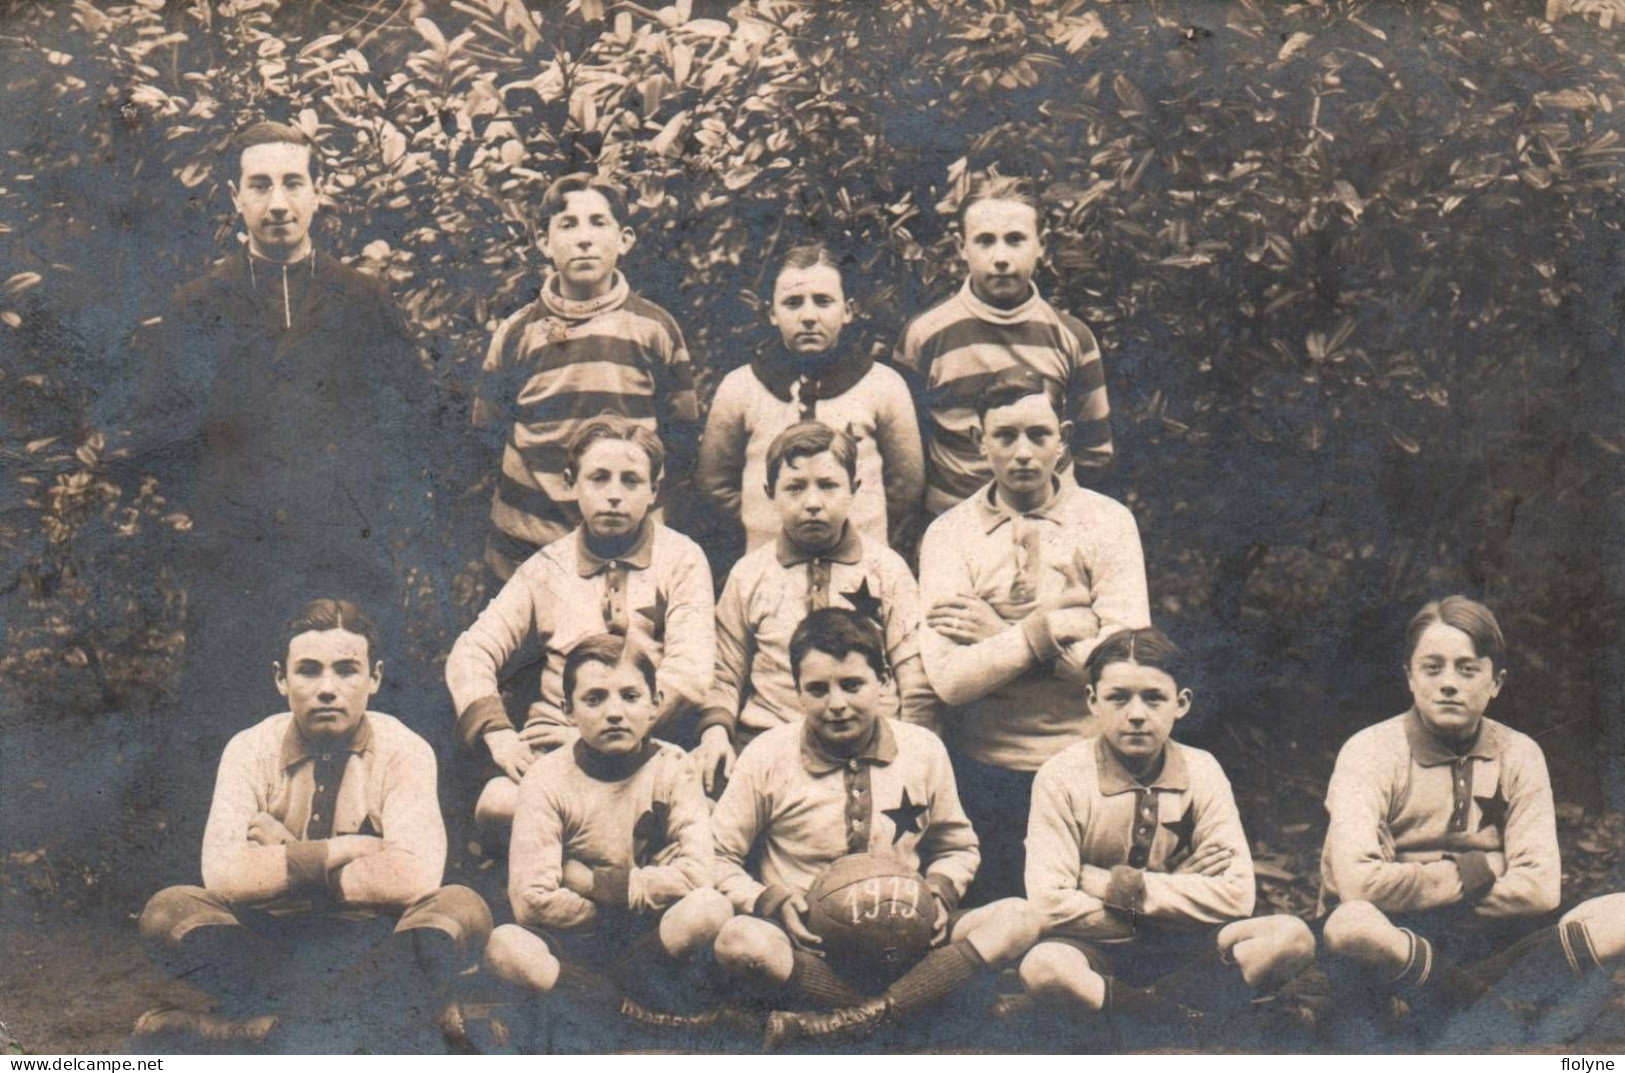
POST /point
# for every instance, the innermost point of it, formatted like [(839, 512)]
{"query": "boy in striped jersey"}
[(1441, 865), (999, 320), (586, 345)]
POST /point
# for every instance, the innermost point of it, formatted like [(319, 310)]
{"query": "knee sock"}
[(813, 983), (939, 974), (586, 986)]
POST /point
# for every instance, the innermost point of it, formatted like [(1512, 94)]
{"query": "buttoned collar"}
[(882, 749), (848, 550), (637, 557), (1113, 778), (993, 513), (296, 748), (1429, 750)]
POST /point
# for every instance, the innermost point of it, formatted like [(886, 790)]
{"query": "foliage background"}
[(1355, 267)]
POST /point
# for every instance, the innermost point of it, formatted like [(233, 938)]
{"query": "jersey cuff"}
[(480, 718), (1035, 628), (716, 717), (611, 887), (944, 888), (1126, 891), (1477, 877), (307, 866), (771, 900)]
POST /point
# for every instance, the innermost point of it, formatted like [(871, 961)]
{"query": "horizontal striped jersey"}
[(959, 345), (553, 365)]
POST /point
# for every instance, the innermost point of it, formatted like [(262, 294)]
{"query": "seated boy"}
[(847, 780), (620, 572), (586, 344), (1138, 866), (611, 857), (819, 559), (1441, 869), (811, 377), (322, 861), (1019, 582)]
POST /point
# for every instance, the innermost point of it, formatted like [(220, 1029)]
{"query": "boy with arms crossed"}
[(586, 345), (998, 321), (1138, 865), (818, 560), (611, 856), (1019, 582), (847, 780), (1441, 865), (812, 378), (621, 572)]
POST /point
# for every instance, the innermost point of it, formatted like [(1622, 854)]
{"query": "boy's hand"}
[(1210, 860), (714, 749), (793, 915), (576, 878), (545, 737), (266, 830), (1095, 881), (965, 620), (511, 754)]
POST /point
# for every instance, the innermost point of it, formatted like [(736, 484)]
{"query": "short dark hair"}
[(1011, 385), (1002, 188), (808, 255), (1465, 614), (613, 426), (332, 613), (805, 439), (611, 650), (838, 632), (1148, 647), (269, 132), (574, 183)]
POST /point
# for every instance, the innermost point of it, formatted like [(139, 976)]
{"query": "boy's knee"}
[(493, 812), (517, 955), (1053, 969), (745, 944), (174, 911), (1272, 951), (1351, 928), (694, 922), (1007, 930)]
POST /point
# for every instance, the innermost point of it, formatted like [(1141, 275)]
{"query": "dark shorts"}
[(1154, 952), (996, 800), (1458, 934)]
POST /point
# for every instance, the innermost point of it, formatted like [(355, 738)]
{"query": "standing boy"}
[(997, 321), (1441, 866), (1138, 866), (620, 571), (812, 377), (611, 861), (1019, 582), (847, 780), (819, 559), (586, 345)]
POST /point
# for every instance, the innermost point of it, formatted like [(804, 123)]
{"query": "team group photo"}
[(746, 526)]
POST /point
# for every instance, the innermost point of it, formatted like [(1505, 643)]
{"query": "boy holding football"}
[(1441, 866), (812, 377), (1138, 865), (587, 344), (846, 780), (819, 559), (620, 572), (611, 855)]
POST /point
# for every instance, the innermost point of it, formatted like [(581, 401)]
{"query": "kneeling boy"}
[(847, 780), (1138, 865), (611, 851)]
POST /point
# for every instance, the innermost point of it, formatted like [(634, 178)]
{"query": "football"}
[(875, 914)]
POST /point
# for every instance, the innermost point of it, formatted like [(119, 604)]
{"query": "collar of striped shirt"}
[(1429, 750), (848, 550), (994, 514), (1113, 778), (583, 308), (828, 375), (637, 557), (296, 748), (996, 314), (882, 749)]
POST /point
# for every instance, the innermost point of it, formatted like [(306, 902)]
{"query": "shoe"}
[(846, 1023), (1012, 1007), (725, 1017), (207, 1026), (453, 1028)]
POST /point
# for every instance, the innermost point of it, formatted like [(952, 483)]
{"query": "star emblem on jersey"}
[(656, 614), (649, 834), (905, 818), (1183, 829), (863, 602), (1493, 809)]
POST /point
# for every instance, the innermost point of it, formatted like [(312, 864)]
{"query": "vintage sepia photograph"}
[(907, 527)]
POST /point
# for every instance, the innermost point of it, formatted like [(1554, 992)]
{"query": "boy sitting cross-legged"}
[(611, 855), (1441, 866), (819, 559), (847, 780), (620, 572), (1138, 865)]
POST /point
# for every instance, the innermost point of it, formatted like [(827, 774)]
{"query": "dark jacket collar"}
[(1429, 750), (836, 374), (597, 765), (882, 749), (1113, 778), (848, 550), (638, 556), (295, 746)]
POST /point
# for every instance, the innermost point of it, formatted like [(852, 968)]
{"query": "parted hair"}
[(1001, 188), (610, 650), (1147, 647), (838, 632), (574, 183), (805, 439), (331, 613), (613, 426), (268, 132), (1011, 385), (808, 255), (1465, 614)]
